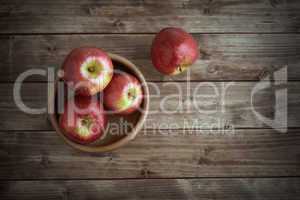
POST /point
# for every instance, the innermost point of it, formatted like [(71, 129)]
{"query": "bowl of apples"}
[(99, 101)]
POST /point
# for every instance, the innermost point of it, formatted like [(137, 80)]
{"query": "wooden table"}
[(241, 42)]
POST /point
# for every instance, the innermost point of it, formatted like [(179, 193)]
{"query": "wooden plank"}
[(116, 16), (173, 105), (224, 57), (154, 154), (227, 189)]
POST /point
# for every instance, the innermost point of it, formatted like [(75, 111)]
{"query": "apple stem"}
[(91, 69), (86, 121), (131, 94)]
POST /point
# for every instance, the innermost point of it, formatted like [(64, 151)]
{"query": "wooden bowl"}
[(111, 141)]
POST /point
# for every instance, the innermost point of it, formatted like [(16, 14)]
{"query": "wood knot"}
[(274, 3), (207, 10), (184, 5), (263, 74), (146, 173), (204, 161), (51, 48), (118, 23), (204, 55), (208, 150), (213, 68), (65, 194), (45, 162), (228, 126), (141, 2), (92, 11)]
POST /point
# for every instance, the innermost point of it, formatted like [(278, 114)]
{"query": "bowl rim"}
[(124, 140)]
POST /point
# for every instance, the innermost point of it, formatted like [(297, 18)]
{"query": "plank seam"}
[(153, 178)]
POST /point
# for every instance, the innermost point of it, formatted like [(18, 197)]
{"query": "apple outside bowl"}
[(116, 136)]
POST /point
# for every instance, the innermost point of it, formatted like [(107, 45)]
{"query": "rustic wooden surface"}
[(187, 109), (148, 16), (241, 42), (42, 155), (176, 189), (223, 56)]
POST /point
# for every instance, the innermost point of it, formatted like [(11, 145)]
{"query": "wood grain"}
[(154, 154), (223, 56), (175, 189), (241, 41), (148, 16), (205, 105)]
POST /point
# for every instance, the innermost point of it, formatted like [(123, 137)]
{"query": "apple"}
[(83, 119), (124, 94), (173, 51), (87, 70)]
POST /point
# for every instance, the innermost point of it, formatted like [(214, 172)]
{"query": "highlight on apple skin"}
[(124, 94), (87, 70), (83, 120), (173, 51)]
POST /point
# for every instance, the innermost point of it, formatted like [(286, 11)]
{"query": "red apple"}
[(173, 51), (124, 94), (87, 70), (83, 120)]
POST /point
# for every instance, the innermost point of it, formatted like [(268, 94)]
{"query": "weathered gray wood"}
[(116, 16), (224, 57), (208, 105), (154, 154), (227, 189), (26, 153)]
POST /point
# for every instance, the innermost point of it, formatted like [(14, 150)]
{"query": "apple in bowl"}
[(107, 140), (83, 119), (87, 70), (124, 94)]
